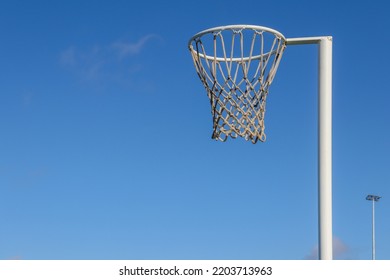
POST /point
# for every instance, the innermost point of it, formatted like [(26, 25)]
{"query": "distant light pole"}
[(374, 198)]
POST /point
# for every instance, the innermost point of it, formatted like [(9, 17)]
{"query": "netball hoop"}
[(237, 64)]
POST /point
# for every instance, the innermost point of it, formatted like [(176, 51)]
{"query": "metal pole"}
[(325, 148), (374, 198), (373, 229), (324, 141)]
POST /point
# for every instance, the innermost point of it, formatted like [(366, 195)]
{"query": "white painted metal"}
[(325, 148), (373, 229), (237, 27), (374, 199), (324, 141)]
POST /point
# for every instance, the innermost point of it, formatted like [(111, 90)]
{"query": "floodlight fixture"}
[(373, 197)]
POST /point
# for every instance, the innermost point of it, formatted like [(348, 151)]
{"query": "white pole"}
[(374, 199), (324, 141), (325, 148), (373, 229)]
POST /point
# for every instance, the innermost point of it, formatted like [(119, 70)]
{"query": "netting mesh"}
[(237, 65)]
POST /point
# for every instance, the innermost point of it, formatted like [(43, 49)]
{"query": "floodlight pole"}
[(324, 140), (374, 198)]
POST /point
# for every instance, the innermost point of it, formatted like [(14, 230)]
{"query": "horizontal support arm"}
[(307, 40)]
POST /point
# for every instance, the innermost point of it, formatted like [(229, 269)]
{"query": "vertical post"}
[(374, 198), (325, 148), (373, 229), (324, 141)]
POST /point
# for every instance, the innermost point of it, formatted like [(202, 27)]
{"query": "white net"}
[(236, 65)]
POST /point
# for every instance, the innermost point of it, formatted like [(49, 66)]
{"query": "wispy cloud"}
[(87, 63), (125, 49), (27, 99), (111, 62), (340, 249), (16, 257), (68, 57)]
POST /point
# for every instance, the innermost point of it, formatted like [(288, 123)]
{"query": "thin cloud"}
[(340, 249), (16, 257), (106, 63), (27, 99), (125, 49), (68, 57), (88, 63), (313, 255)]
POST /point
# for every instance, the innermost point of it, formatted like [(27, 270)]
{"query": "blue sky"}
[(106, 149)]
